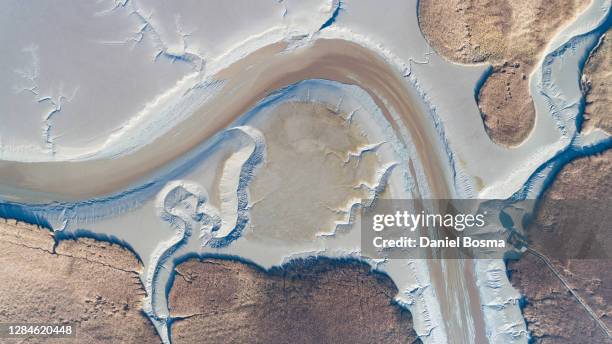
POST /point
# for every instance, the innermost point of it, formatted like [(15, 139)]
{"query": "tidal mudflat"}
[(258, 137)]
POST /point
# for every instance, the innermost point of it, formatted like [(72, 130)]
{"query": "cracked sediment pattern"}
[(443, 296), (308, 167), (510, 35), (322, 301), (596, 84), (553, 315), (94, 285), (331, 59)]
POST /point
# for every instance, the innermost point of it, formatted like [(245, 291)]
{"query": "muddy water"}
[(246, 83)]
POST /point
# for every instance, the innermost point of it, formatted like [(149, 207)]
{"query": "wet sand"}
[(307, 171), (510, 35), (247, 82)]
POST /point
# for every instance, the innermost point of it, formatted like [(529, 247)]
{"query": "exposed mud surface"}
[(510, 35), (317, 301), (90, 284), (313, 152)]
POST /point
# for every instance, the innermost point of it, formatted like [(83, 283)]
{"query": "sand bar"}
[(247, 82)]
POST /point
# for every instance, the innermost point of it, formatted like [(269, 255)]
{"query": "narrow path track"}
[(545, 259)]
